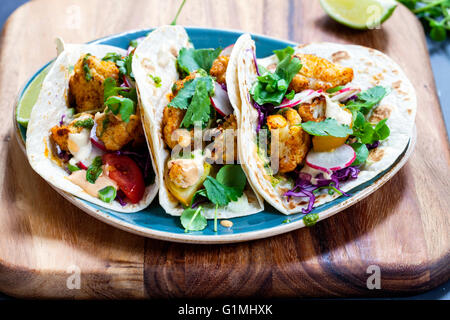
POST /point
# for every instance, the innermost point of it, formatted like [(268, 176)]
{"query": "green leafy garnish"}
[(122, 106), (123, 63), (156, 80), (133, 43), (94, 170), (174, 21), (72, 168), (361, 153), (228, 186), (335, 89), (193, 220), (200, 107), (328, 127), (86, 123), (310, 219), (190, 60), (366, 132), (183, 98), (107, 194), (112, 56), (283, 53), (434, 14), (272, 87), (86, 69), (110, 89), (366, 100)]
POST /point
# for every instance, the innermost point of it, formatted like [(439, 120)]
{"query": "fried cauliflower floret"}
[(172, 133), (314, 111), (226, 138), (319, 73), (60, 134), (219, 69), (87, 94), (293, 142), (115, 133), (184, 172)]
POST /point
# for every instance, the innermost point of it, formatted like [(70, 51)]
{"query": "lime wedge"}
[(29, 98), (359, 14)]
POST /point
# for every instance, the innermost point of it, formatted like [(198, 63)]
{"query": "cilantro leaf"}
[(361, 153), (232, 175), (382, 131), (110, 89), (335, 89), (283, 53), (107, 194), (86, 123), (94, 170), (272, 87), (219, 193), (328, 127), (199, 109), (193, 220), (191, 59), (122, 106), (112, 56), (366, 100), (184, 96)]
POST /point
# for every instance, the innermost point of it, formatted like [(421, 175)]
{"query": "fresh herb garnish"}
[(156, 80), (110, 89), (366, 100), (86, 69), (174, 21), (123, 63), (122, 106), (72, 168), (193, 220), (435, 14), (361, 153), (94, 170), (107, 194), (310, 219), (191, 59), (228, 186), (199, 109), (328, 127), (366, 132), (335, 89), (133, 43), (272, 87), (86, 123), (283, 53), (183, 98)]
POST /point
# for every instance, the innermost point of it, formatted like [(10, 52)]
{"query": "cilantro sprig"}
[(434, 14), (272, 87), (191, 59), (328, 127), (123, 63)]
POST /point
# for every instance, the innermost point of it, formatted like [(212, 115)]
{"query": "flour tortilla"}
[(156, 55), (371, 68), (47, 112)]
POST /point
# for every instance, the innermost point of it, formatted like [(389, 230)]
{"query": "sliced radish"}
[(306, 96), (220, 101), (227, 50), (344, 94), (339, 158)]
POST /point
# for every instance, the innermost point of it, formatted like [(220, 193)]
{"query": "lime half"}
[(359, 14), (29, 98)]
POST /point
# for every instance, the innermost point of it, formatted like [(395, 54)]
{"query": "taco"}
[(191, 123), (332, 116), (85, 134)]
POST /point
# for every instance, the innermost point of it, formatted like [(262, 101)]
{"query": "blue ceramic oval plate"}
[(153, 222)]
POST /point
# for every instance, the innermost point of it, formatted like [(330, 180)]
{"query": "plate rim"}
[(212, 239)]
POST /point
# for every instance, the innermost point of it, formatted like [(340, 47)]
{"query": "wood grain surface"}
[(403, 228)]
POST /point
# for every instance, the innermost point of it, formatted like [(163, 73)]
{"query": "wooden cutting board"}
[(403, 228)]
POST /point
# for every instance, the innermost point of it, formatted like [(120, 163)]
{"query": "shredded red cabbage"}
[(120, 197), (373, 145), (224, 86), (304, 188), (62, 120)]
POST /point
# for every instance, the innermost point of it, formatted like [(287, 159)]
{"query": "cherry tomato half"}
[(126, 173)]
